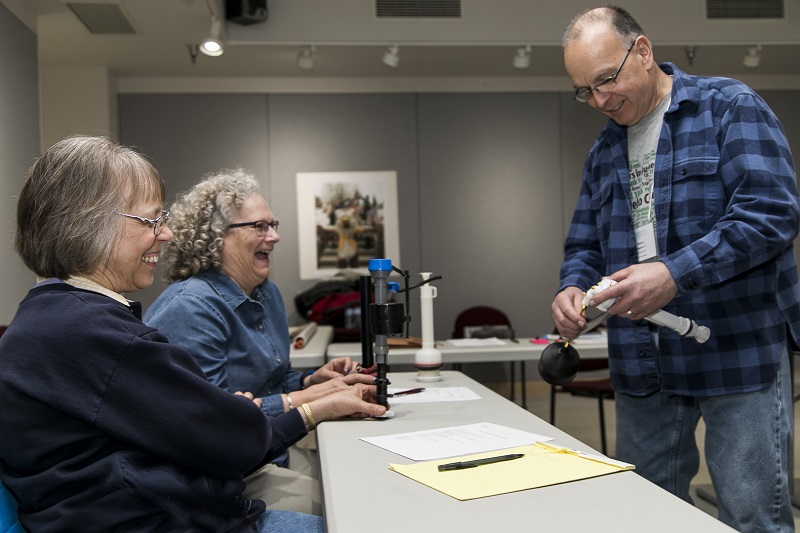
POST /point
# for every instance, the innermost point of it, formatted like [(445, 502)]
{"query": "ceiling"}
[(167, 28)]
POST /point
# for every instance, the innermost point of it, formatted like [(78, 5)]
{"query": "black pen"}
[(405, 392), (478, 462)]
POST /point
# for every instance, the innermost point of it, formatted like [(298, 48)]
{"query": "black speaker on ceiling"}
[(246, 11)]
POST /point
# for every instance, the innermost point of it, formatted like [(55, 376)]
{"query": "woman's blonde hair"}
[(199, 219)]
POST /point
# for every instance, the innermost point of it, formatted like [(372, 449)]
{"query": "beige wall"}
[(19, 146), (77, 100)]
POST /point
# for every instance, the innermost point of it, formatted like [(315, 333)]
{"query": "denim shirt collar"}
[(229, 291)]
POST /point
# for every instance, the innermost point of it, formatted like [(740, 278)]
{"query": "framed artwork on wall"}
[(345, 219)]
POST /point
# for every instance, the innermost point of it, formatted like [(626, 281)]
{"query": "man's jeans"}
[(746, 448)]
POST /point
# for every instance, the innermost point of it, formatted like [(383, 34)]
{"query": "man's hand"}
[(566, 311), (641, 289)]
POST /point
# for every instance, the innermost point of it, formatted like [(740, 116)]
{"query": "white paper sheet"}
[(491, 341), (440, 394), (454, 441)]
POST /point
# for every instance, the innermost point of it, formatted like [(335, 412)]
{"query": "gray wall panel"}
[(490, 204), (19, 146), (784, 104)]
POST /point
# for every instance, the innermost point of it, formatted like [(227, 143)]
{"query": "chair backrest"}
[(478, 317), (8, 512), (8, 505), (590, 365)]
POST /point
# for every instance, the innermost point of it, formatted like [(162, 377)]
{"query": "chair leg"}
[(552, 405), (602, 425), (522, 385)]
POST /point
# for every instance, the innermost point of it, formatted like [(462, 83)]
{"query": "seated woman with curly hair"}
[(222, 308)]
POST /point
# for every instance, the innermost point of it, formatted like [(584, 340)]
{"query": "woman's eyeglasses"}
[(261, 226), (157, 224)]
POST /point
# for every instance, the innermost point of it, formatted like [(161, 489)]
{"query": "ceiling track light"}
[(522, 58), (212, 45), (305, 57), (392, 58), (752, 58)]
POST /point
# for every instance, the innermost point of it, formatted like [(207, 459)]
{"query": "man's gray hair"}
[(624, 25)]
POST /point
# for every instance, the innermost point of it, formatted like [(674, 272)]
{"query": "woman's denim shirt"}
[(240, 342)]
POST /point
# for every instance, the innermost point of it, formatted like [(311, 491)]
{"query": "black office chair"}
[(599, 388), (483, 321)]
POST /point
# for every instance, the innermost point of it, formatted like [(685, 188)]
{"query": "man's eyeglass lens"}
[(584, 94)]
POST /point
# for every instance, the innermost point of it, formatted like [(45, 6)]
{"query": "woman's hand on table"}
[(331, 386), (249, 396), (341, 366), (357, 401)]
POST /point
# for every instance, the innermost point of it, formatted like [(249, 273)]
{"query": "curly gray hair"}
[(198, 219)]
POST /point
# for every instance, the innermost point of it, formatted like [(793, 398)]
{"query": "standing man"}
[(689, 202)]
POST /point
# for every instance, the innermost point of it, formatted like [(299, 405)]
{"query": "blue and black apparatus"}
[(382, 318)]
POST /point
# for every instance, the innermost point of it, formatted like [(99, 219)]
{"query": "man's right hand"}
[(566, 311)]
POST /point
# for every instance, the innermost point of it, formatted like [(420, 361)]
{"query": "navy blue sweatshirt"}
[(105, 426)]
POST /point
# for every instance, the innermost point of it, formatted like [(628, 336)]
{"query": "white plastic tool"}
[(428, 359), (682, 326)]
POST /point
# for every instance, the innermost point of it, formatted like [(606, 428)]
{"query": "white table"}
[(361, 494), (312, 355), (523, 351)]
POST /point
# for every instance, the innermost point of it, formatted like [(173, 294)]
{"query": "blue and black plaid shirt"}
[(727, 213)]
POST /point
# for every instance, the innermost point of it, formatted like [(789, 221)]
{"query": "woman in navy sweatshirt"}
[(106, 426)]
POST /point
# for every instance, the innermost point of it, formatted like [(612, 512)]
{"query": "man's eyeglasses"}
[(157, 224), (261, 226), (584, 94)]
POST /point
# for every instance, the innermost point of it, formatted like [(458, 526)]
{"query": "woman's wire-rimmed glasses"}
[(156, 223), (261, 226), (584, 94)]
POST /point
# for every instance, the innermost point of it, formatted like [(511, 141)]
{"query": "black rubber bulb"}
[(559, 363)]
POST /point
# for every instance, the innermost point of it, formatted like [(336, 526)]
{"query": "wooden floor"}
[(579, 418)]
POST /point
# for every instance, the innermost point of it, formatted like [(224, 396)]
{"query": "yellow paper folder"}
[(542, 465)]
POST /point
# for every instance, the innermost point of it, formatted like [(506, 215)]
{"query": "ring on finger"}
[(630, 312)]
